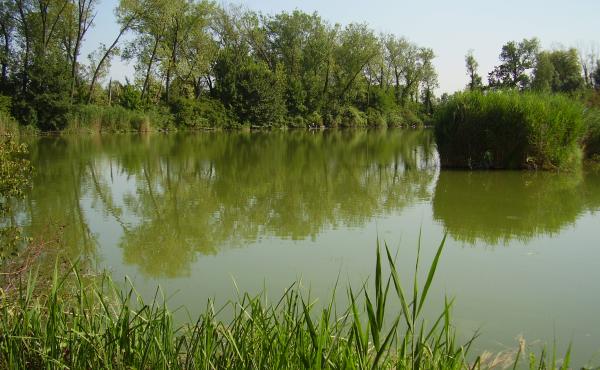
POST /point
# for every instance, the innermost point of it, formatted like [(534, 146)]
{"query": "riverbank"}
[(116, 119)]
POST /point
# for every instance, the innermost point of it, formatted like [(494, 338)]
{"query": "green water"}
[(195, 213)]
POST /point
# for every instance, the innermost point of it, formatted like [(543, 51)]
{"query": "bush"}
[(375, 118), (352, 117), (130, 98), (411, 119), (314, 119), (509, 130), (203, 113), (297, 122), (395, 119)]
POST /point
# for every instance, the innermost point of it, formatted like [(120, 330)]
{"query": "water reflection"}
[(161, 201), (175, 196), (497, 207)]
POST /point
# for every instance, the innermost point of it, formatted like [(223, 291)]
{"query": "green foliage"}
[(352, 117), (82, 323), (251, 90), (5, 104), (203, 113), (130, 98), (265, 70), (592, 137), (375, 118), (411, 119), (297, 122), (15, 173), (96, 118), (314, 119), (509, 130), (517, 60), (475, 82), (8, 125), (558, 71), (596, 76)]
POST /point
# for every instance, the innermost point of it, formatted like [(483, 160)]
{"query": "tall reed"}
[(508, 129)]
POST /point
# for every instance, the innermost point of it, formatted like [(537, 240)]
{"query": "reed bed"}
[(92, 323), (95, 118), (508, 129)]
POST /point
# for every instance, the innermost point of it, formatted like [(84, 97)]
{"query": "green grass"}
[(511, 130), (83, 323), (94, 118)]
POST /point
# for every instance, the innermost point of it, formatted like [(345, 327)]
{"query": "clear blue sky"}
[(450, 27)]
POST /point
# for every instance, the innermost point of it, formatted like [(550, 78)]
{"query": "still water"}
[(194, 213)]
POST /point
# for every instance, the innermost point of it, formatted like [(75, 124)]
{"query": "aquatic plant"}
[(508, 129)]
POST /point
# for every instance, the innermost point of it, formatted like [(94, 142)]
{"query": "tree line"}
[(199, 63), (525, 66)]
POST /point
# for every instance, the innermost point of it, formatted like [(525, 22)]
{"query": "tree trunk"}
[(147, 78), (172, 62), (104, 57)]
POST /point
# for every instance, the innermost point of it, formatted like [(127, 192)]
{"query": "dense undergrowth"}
[(508, 129), (191, 114)]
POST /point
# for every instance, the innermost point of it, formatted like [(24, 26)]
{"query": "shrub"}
[(509, 130), (395, 119), (411, 119), (200, 113), (297, 122), (130, 98), (314, 119), (376, 118), (352, 117)]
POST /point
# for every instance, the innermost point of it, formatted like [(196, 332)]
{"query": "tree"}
[(558, 71), (357, 47), (302, 44), (517, 59), (428, 77), (128, 13), (595, 77), (84, 17), (543, 75), (474, 78), (588, 55), (7, 30)]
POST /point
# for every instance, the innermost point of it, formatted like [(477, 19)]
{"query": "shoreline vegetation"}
[(201, 65), (511, 130), (90, 322)]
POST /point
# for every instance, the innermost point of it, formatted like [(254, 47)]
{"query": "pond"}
[(200, 214)]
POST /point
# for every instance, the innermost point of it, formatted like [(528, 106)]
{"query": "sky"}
[(450, 27)]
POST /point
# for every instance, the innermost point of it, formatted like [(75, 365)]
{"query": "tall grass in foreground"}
[(81, 324)]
